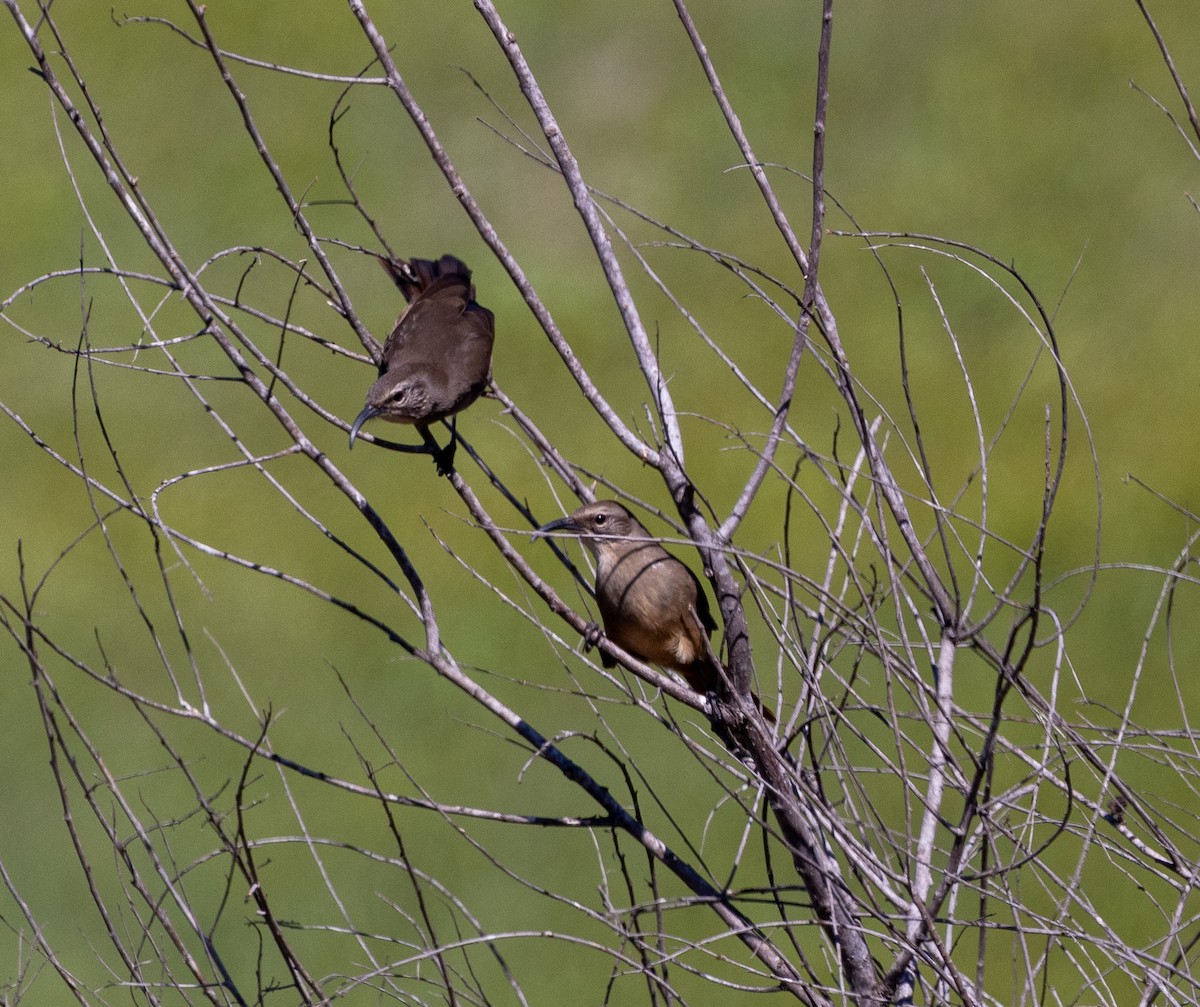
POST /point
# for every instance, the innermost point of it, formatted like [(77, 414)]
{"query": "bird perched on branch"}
[(438, 359), (651, 603)]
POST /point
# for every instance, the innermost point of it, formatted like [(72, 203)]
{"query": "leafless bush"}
[(931, 816)]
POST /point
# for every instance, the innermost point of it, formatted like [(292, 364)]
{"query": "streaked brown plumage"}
[(438, 359), (652, 604)]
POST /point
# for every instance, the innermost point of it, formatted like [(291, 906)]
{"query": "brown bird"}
[(438, 359), (652, 604)]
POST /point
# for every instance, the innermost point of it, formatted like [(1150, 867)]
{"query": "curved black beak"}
[(368, 412), (562, 524)]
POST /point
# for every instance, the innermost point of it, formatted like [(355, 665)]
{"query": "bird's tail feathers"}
[(416, 276)]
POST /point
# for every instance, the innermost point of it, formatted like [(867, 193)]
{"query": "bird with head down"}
[(438, 359)]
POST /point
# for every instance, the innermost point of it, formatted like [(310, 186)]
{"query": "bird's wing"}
[(702, 609), (428, 318), (448, 339)]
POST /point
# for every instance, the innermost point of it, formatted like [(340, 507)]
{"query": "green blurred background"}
[(1011, 126)]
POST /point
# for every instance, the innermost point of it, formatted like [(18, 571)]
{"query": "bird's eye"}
[(601, 518)]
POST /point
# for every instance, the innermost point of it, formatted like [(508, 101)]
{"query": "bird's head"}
[(597, 525), (396, 399)]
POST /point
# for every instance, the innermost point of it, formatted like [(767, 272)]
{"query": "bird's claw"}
[(591, 636), (443, 458)]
